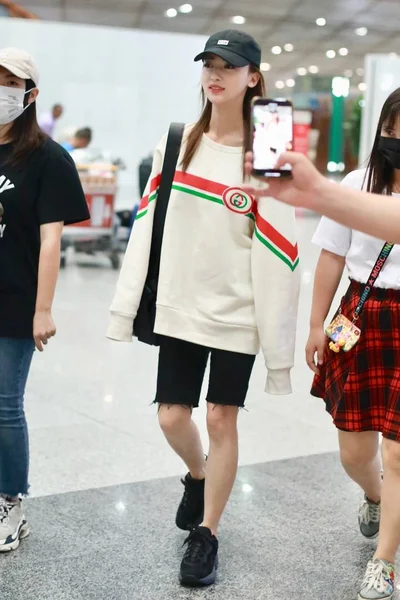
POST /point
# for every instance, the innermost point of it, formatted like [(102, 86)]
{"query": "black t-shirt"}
[(44, 189)]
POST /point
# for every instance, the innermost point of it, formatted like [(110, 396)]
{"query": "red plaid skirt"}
[(361, 388)]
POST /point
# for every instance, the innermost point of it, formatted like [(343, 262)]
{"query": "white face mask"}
[(11, 104)]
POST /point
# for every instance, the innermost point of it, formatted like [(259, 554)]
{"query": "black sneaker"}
[(191, 509), (200, 563)]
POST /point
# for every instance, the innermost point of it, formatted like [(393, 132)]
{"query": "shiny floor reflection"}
[(105, 485), (290, 531)]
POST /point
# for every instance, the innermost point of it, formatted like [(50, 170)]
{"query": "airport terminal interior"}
[(104, 484)]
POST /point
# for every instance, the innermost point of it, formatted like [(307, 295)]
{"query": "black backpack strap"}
[(172, 150)]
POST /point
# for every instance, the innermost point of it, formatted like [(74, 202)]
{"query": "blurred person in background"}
[(221, 291), (80, 141), (39, 192), (66, 134), (361, 387), (48, 120)]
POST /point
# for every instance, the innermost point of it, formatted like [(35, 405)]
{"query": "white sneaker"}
[(13, 525), (378, 582)]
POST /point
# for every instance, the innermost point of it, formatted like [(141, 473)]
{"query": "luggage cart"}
[(99, 233)]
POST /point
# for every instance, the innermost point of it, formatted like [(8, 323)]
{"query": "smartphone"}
[(272, 129)]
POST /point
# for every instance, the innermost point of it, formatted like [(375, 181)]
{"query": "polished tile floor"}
[(290, 532), (104, 485)]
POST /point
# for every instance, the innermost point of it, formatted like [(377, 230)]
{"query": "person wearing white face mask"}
[(40, 190)]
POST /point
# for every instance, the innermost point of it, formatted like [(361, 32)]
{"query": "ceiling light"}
[(301, 71), (171, 13), (393, 55), (290, 83), (340, 87), (321, 22), (335, 167), (280, 85), (288, 47), (331, 54), (238, 20), (361, 31), (186, 9), (362, 87), (343, 51), (276, 50), (360, 72), (348, 73), (265, 66), (313, 69)]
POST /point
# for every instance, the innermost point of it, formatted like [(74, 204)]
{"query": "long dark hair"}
[(25, 134), (203, 124), (379, 176)]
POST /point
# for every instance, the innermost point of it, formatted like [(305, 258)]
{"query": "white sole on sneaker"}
[(387, 597), (24, 532), (372, 537)]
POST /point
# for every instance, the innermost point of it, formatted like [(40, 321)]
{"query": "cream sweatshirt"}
[(229, 274)]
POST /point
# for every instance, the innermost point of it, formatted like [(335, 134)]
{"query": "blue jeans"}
[(15, 361)]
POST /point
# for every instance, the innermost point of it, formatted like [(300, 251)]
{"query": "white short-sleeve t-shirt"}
[(361, 250)]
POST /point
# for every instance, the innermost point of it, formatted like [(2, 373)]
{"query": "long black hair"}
[(379, 177), (25, 134)]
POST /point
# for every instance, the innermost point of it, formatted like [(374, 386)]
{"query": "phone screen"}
[(273, 134)]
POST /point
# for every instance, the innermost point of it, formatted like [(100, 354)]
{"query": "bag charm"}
[(343, 333)]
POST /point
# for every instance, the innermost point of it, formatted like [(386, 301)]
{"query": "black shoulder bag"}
[(143, 326)]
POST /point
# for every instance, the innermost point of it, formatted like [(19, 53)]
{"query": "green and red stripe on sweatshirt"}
[(218, 193)]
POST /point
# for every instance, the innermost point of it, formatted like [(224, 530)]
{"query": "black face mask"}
[(390, 148)]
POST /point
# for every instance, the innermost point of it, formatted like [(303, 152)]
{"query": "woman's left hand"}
[(44, 328)]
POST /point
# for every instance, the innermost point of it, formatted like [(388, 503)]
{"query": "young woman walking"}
[(361, 387), (39, 192), (228, 282)]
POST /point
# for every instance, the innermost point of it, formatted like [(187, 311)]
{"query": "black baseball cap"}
[(236, 47)]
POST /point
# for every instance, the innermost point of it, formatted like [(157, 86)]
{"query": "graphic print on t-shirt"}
[(5, 184)]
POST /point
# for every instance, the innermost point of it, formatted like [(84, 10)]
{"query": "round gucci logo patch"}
[(237, 200)]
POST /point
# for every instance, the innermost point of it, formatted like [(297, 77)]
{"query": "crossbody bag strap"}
[(172, 150), (376, 271)]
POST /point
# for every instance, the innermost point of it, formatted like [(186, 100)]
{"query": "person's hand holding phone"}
[(301, 189)]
